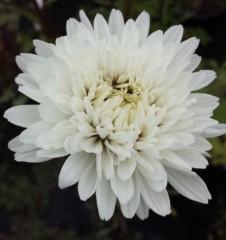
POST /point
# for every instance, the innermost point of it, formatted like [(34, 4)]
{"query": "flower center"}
[(130, 92), (126, 86)]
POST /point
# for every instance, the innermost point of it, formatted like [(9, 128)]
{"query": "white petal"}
[(182, 139), (128, 31), (143, 23), (50, 113), (43, 49), (23, 115), (214, 131), (192, 158), (202, 124), (124, 190), (126, 168), (158, 179), (155, 175), (73, 168), (87, 182), (54, 139), (121, 137), (184, 52), (51, 153), (30, 134), (24, 59), (143, 210), (205, 100), (71, 26), (34, 94), (29, 157), (52, 77), (72, 143), (85, 20), (143, 161), (106, 199), (201, 79), (86, 129), (101, 28), (189, 185), (129, 209), (107, 162), (116, 22), (77, 105), (157, 186), (174, 160), (16, 146), (99, 165), (25, 79), (78, 88), (193, 63), (173, 34), (165, 141), (92, 145), (62, 103), (201, 144), (154, 38), (158, 201)]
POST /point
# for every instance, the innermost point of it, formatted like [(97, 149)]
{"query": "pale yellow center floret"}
[(130, 92)]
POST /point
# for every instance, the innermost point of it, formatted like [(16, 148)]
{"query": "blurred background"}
[(31, 205)]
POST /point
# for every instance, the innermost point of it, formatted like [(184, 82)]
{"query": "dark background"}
[(31, 205)]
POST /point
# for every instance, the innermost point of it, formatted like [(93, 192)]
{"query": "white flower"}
[(120, 105)]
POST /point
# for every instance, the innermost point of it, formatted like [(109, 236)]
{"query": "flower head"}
[(120, 105)]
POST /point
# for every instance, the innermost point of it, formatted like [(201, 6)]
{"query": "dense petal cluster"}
[(121, 105)]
